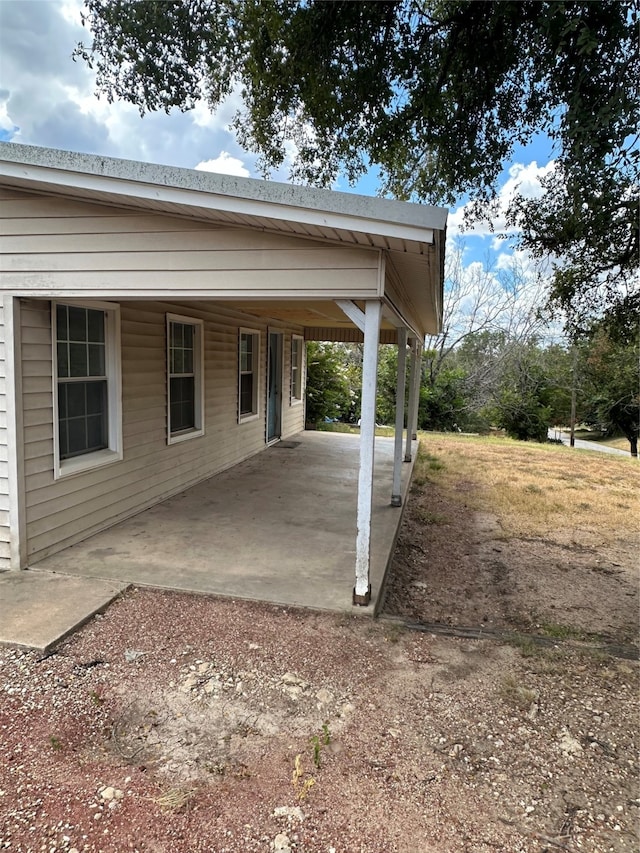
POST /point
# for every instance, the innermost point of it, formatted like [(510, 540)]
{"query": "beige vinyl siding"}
[(56, 247), (61, 512), (5, 532)]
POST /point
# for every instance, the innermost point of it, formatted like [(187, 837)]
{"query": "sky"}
[(48, 99)]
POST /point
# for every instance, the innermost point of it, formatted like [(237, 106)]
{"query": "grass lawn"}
[(529, 485)]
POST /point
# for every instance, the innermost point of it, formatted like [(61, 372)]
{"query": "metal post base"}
[(407, 458), (362, 600), (396, 500)]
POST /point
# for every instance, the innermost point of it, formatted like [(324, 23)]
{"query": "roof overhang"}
[(411, 235)]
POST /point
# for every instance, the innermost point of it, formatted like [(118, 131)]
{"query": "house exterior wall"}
[(5, 539), (58, 247), (151, 265), (62, 511)]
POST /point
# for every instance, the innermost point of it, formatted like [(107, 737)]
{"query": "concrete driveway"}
[(579, 444)]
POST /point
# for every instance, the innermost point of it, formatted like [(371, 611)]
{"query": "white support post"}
[(396, 492), (417, 380), (15, 439), (413, 400), (362, 589)]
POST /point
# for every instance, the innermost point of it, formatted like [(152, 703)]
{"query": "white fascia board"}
[(400, 320), (126, 188)]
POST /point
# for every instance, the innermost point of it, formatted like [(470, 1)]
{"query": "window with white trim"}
[(185, 372), (87, 405), (297, 349), (249, 353)]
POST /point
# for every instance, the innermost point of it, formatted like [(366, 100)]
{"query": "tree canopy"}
[(611, 378), (435, 94)]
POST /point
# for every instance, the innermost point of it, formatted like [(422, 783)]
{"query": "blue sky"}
[(48, 99)]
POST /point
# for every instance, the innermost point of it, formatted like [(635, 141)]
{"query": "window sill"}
[(243, 419), (87, 462), (296, 401), (184, 436)]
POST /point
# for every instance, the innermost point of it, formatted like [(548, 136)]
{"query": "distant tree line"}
[(496, 364), (524, 388)]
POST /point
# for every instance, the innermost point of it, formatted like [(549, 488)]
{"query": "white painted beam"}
[(396, 492), (15, 434), (355, 314), (417, 380), (413, 400), (362, 589)]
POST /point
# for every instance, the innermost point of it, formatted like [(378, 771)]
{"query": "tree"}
[(434, 93), (612, 374), (329, 392), (443, 404), (487, 313), (523, 406), (558, 365), (386, 387)]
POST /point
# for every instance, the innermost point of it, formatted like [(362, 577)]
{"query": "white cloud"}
[(6, 124), (221, 119), (71, 10), (48, 99), (523, 180), (225, 164)]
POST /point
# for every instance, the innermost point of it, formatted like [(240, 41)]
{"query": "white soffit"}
[(248, 202)]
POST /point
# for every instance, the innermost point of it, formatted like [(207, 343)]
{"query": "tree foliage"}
[(486, 313), (331, 383), (434, 93), (443, 404), (523, 407), (611, 387)]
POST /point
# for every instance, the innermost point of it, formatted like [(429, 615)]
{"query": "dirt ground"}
[(570, 584), (178, 724)]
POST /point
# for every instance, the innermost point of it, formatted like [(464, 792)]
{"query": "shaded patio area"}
[(279, 527)]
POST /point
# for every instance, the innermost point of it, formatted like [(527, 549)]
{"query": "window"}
[(86, 361), (297, 348), (185, 378), (248, 375)]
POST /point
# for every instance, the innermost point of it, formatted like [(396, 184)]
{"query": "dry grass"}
[(174, 800), (535, 489), (516, 693)]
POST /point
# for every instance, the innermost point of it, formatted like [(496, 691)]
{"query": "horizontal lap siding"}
[(43, 234), (58, 247), (5, 555), (60, 512)]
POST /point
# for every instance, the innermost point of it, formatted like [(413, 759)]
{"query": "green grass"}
[(352, 429), (561, 632)]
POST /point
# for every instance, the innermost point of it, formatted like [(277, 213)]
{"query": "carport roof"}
[(412, 235)]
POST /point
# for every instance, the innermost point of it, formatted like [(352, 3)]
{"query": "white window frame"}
[(113, 452), (254, 414), (198, 378), (296, 389)]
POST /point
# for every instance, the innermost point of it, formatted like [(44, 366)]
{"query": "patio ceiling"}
[(322, 321)]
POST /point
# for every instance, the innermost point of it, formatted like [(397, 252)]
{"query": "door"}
[(274, 387)]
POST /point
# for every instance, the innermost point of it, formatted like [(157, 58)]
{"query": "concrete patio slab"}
[(280, 527), (38, 609)]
